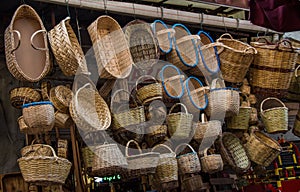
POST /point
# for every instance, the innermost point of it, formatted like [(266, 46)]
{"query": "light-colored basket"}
[(66, 49), (211, 163), (63, 120), (61, 97), (164, 36), (20, 95), (188, 163), (45, 89), (150, 92), (111, 48), (23, 127), (88, 157), (294, 89), (296, 128), (274, 116), (36, 150)]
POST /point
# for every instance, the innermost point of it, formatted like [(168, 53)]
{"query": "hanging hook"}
[(237, 26), (134, 14), (68, 10), (223, 19), (161, 13), (23, 2), (201, 21), (105, 6), (266, 32), (78, 27)]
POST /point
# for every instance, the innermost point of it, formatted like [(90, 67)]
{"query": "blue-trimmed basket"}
[(164, 36)]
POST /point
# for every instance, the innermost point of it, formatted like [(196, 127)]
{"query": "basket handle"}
[(184, 144), (187, 38), (283, 42), (266, 41), (296, 71), (184, 107), (33, 36), (203, 118), (52, 150), (202, 90), (76, 94), (270, 98), (144, 76), (215, 44), (205, 152), (82, 76), (118, 91), (226, 34), (127, 146), (215, 83), (164, 146), (250, 50), (18, 38), (164, 31)]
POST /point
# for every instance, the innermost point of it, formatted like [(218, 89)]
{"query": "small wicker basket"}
[(188, 163), (20, 95), (46, 87), (150, 92), (164, 36), (211, 163), (61, 97)]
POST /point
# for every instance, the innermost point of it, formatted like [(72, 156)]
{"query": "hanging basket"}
[(262, 149), (156, 133), (20, 95), (211, 163), (45, 87), (36, 150), (274, 116), (296, 129), (66, 49), (23, 126), (294, 89), (164, 36), (192, 183), (63, 120), (188, 163), (111, 48), (88, 157), (61, 97), (235, 58)]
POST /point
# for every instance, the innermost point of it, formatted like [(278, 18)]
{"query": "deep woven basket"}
[(274, 116), (262, 149), (63, 120), (61, 96), (193, 183), (20, 95), (294, 89), (150, 92), (296, 128), (66, 49), (211, 163), (111, 48), (235, 58), (164, 36), (187, 163)]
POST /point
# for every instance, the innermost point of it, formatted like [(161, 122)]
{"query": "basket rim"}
[(263, 142), (26, 105), (153, 26)]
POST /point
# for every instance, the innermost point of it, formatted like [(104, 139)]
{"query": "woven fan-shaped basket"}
[(61, 97), (26, 46), (164, 36), (20, 95), (66, 49), (111, 48)]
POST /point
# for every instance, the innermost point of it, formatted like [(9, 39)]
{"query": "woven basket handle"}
[(296, 70), (203, 118), (205, 152), (78, 78), (164, 31), (184, 107), (18, 38), (33, 36), (118, 91), (163, 146), (188, 38), (52, 150), (285, 42), (202, 90), (142, 77), (250, 50), (77, 92), (217, 83), (184, 144), (266, 41), (127, 146), (269, 98), (226, 34), (216, 44)]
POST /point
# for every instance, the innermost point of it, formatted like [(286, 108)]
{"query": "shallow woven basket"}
[(20, 95), (296, 129), (235, 58), (111, 48), (164, 36), (44, 170), (36, 150), (180, 123), (294, 89), (63, 120), (262, 149), (233, 152), (185, 52), (45, 89), (188, 163), (61, 97), (192, 183), (274, 116), (66, 49), (211, 163), (273, 68), (18, 38), (150, 92)]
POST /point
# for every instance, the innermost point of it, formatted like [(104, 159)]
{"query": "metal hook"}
[(266, 32), (78, 28), (161, 13), (223, 19), (68, 9), (105, 6), (134, 14), (201, 21)]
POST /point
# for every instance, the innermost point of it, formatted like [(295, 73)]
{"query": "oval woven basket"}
[(20, 95), (211, 163), (294, 89), (66, 49), (164, 36), (111, 48), (156, 134), (296, 128), (149, 92), (26, 46), (61, 97)]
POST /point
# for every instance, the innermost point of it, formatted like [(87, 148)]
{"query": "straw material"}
[(262, 149), (61, 97), (44, 170), (294, 89), (150, 92), (156, 133), (45, 87), (296, 129), (63, 120), (25, 13), (296, 44), (193, 183), (274, 116), (235, 58), (111, 48), (189, 162), (211, 163), (23, 127), (164, 36), (66, 49), (20, 95), (88, 157), (36, 150)]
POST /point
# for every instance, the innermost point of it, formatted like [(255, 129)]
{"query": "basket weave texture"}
[(61, 97), (211, 163), (189, 162), (164, 36), (20, 95)]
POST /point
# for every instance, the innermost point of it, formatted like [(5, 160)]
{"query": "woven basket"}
[(167, 169), (36, 150), (156, 134), (88, 109), (296, 44), (235, 58), (142, 43), (185, 55), (88, 157), (233, 152), (296, 129), (63, 120), (46, 87), (44, 170), (294, 89), (262, 149), (150, 92), (196, 98), (39, 116), (192, 184), (20, 95), (23, 127), (108, 160), (274, 116), (272, 69), (61, 97), (111, 48), (164, 36), (19, 35), (180, 123), (188, 163), (66, 49), (211, 163)]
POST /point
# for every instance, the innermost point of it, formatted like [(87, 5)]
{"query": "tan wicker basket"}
[(45, 89), (294, 89), (211, 163), (26, 46), (149, 92), (187, 163), (156, 134), (164, 36), (63, 120), (296, 128), (20, 95), (296, 44), (191, 183), (36, 150), (88, 157), (61, 97), (111, 48), (66, 49)]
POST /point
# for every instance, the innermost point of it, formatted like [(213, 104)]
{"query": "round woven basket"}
[(20, 95), (66, 49), (262, 149), (164, 36), (63, 120), (150, 92), (235, 58), (274, 116), (111, 48), (61, 97), (211, 163), (294, 89), (296, 129)]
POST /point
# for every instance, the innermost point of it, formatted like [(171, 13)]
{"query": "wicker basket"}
[(61, 97), (24, 127), (180, 123), (21, 95), (185, 55), (150, 92), (111, 48), (66, 49), (39, 116), (36, 150), (63, 120), (296, 129), (211, 163), (44, 170), (262, 149), (45, 89), (156, 133), (188, 163), (164, 36), (272, 69), (294, 89), (274, 116), (192, 184), (233, 152), (25, 62), (235, 58), (296, 44), (88, 157)]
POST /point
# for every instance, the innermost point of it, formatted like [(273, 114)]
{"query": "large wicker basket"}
[(294, 89), (61, 97), (211, 163), (296, 129), (20, 95), (66, 49), (26, 46), (111, 48), (187, 163), (149, 92), (164, 36)]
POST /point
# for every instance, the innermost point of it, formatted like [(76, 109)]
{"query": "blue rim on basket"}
[(189, 92), (37, 103), (225, 88), (216, 52), (153, 26), (163, 82), (176, 47)]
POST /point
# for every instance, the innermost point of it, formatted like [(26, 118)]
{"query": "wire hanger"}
[(223, 19), (105, 6), (161, 13), (78, 27), (201, 21), (237, 26), (134, 14), (68, 9)]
